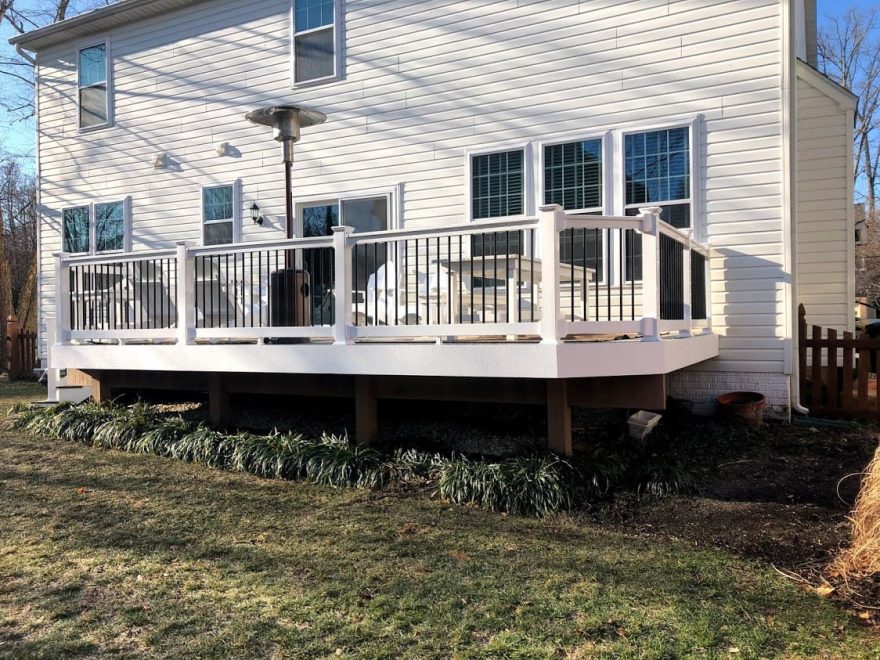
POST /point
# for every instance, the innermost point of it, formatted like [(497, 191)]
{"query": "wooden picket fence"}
[(21, 351), (839, 379)]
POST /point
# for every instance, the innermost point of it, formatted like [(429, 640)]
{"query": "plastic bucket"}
[(748, 406)]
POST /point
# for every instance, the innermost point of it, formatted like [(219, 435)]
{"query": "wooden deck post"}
[(558, 417), (100, 389), (366, 409), (218, 400)]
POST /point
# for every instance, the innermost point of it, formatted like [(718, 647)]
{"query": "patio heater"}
[(286, 122), (289, 288)]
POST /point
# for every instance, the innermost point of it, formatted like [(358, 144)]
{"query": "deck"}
[(557, 296)]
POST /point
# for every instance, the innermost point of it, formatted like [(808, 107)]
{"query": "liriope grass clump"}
[(527, 485), (537, 485), (125, 427)]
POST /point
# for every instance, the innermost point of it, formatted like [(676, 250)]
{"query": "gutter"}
[(24, 54)]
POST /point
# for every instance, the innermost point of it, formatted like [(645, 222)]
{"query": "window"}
[(363, 213), (94, 102), (109, 226), (218, 214), (76, 229), (498, 184), (658, 173), (314, 40), (95, 228), (573, 179)]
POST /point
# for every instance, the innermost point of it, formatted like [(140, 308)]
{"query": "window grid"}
[(573, 175), (311, 14), (498, 184)]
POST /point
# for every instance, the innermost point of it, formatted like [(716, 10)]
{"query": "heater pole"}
[(288, 192)]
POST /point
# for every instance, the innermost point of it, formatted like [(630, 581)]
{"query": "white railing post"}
[(550, 224), (186, 295), (62, 300), (342, 317), (650, 273), (687, 283)]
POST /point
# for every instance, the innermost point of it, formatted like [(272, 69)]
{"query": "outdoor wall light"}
[(160, 161), (222, 149), (255, 214)]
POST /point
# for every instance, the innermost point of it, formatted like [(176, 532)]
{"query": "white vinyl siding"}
[(825, 233), (425, 83)]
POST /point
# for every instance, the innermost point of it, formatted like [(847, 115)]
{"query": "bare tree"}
[(849, 52), (16, 92)]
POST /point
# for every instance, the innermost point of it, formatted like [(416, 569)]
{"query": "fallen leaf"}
[(825, 590)]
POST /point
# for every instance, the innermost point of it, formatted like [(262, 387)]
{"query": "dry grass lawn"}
[(105, 553)]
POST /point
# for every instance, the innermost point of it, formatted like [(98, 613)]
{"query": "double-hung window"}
[(315, 36), (219, 210), (573, 179), (93, 83), (658, 173), (95, 228)]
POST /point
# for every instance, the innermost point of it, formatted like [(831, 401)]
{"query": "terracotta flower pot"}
[(748, 406)]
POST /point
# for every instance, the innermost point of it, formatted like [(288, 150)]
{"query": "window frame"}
[(608, 156), (93, 222), (529, 206), (236, 212), (338, 45), (108, 81)]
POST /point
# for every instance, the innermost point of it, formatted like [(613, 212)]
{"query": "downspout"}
[(790, 196), (25, 55)]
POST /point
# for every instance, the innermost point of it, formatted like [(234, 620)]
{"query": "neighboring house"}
[(452, 128)]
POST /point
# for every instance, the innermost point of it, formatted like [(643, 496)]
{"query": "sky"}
[(17, 137)]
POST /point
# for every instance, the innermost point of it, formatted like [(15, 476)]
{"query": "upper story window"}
[(218, 214), (314, 40), (95, 228), (94, 92), (658, 172), (498, 184)]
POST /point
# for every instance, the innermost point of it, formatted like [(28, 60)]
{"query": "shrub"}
[(161, 438), (20, 415), (337, 461), (124, 428), (531, 485), (75, 423), (201, 445)]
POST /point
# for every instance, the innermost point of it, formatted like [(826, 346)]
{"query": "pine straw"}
[(862, 559)]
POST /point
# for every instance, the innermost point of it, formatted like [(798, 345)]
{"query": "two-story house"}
[(571, 202)]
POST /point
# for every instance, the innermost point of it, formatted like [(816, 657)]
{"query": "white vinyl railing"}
[(553, 276)]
